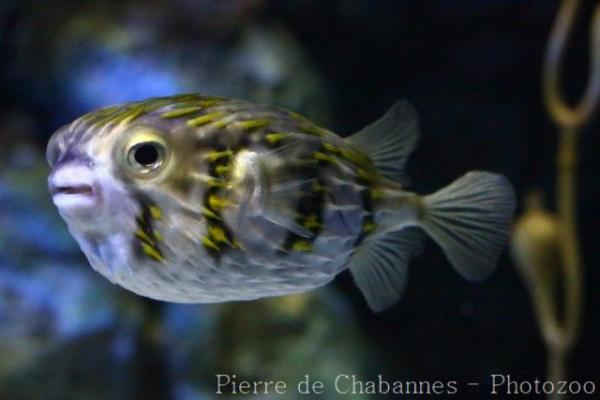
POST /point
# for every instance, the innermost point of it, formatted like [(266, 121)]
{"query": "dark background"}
[(473, 70)]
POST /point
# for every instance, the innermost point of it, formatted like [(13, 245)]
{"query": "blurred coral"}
[(546, 246)]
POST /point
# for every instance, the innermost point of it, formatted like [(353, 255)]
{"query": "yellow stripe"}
[(255, 123), (377, 194), (276, 137), (208, 213), (355, 157), (204, 119), (208, 243), (323, 157), (312, 130), (209, 103), (311, 222), (215, 155), (218, 234), (297, 116), (135, 114), (369, 227), (152, 252), (317, 187), (217, 203), (223, 169), (302, 245), (237, 245), (223, 122), (367, 174), (212, 183), (332, 148), (180, 112), (155, 212), (143, 236)]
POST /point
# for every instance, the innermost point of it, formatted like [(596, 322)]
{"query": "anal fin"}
[(380, 266)]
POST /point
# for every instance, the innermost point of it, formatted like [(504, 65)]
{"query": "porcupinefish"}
[(198, 199)]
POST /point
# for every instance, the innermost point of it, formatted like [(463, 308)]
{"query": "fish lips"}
[(74, 190)]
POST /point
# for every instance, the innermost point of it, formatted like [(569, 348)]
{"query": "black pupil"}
[(146, 155)]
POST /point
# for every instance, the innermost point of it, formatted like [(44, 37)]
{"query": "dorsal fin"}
[(389, 141)]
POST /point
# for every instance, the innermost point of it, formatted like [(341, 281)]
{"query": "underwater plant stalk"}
[(561, 337), (564, 115)]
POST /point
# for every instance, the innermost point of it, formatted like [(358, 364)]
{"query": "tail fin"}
[(470, 220)]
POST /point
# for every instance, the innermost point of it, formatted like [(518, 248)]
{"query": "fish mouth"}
[(74, 200), (72, 190)]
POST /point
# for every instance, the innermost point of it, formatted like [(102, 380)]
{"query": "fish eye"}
[(146, 157), (144, 152)]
